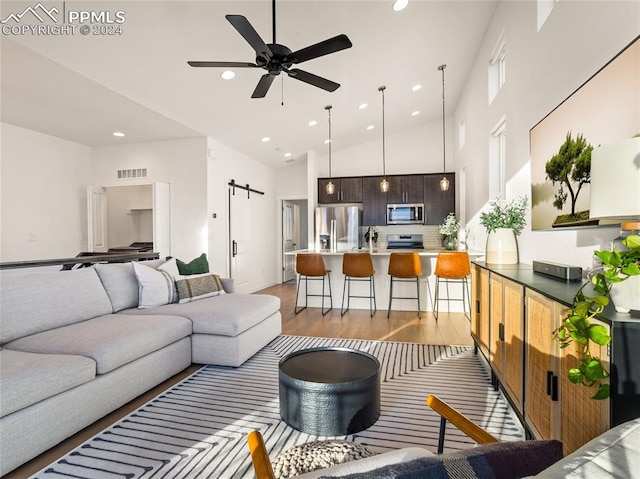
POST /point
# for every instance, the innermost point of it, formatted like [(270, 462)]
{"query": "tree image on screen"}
[(571, 168)]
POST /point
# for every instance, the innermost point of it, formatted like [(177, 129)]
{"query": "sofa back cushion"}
[(37, 301), (119, 280)]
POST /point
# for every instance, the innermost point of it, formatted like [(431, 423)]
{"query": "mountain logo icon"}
[(39, 11)]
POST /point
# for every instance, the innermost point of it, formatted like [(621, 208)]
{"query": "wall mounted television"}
[(605, 109)]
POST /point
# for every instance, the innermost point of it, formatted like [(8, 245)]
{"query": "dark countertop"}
[(556, 289)]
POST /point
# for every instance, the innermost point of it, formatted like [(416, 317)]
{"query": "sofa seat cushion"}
[(28, 378), (225, 315), (111, 341)]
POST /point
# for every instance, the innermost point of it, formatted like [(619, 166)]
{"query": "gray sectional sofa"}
[(74, 346)]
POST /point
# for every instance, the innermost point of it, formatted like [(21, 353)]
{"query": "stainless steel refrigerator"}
[(338, 228)]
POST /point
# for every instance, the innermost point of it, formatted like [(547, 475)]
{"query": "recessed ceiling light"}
[(287, 155), (227, 75), (370, 127), (118, 133), (416, 87), (400, 5), (313, 123), (415, 113), (362, 106), (265, 139), (327, 141)]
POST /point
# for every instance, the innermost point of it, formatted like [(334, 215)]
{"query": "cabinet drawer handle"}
[(477, 306), (554, 388), (549, 382), (501, 331)]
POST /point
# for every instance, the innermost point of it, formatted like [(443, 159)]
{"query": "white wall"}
[(43, 196), (183, 163), (418, 150), (223, 165), (543, 68)]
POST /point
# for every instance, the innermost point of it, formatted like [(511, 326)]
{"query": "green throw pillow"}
[(199, 265)]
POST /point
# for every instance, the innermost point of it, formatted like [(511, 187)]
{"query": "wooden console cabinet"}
[(514, 314)]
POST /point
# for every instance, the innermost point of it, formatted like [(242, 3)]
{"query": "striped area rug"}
[(198, 428)]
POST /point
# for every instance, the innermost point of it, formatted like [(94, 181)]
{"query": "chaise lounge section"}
[(74, 346)]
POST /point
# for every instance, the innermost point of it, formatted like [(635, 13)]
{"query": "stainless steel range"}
[(399, 241)]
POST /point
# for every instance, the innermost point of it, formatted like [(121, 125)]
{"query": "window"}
[(545, 7), (462, 134), (497, 159), (497, 69)]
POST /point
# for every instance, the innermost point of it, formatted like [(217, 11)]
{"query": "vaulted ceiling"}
[(84, 87)]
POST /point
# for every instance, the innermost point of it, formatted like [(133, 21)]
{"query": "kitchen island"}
[(380, 257)]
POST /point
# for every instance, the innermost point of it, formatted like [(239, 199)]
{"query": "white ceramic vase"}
[(626, 295), (502, 247)]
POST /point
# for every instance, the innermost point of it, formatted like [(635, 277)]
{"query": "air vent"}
[(132, 174)]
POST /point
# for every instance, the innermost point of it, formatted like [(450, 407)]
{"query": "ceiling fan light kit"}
[(276, 58), (444, 182), (384, 184)]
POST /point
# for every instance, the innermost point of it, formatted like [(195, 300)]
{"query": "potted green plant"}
[(503, 222), (617, 266), (449, 229)]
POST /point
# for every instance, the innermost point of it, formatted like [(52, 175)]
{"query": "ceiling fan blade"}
[(245, 29), (314, 80), (223, 64), (332, 45), (263, 86)]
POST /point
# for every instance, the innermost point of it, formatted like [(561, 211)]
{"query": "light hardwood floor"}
[(403, 326)]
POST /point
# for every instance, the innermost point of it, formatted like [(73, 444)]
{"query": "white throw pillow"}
[(155, 286)]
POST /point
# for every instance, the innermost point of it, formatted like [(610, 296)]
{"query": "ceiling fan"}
[(276, 58)]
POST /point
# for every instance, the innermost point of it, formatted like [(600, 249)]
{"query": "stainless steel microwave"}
[(405, 214)]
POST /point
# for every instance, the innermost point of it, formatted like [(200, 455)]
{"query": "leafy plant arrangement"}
[(503, 214), (450, 226), (617, 266)]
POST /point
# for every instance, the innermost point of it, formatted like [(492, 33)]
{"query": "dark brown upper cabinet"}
[(347, 190), (405, 189), (374, 202), (437, 203)]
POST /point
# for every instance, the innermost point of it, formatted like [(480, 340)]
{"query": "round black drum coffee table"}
[(329, 391)]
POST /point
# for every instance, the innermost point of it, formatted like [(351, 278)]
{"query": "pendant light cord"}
[(384, 162), (328, 108), (444, 164)]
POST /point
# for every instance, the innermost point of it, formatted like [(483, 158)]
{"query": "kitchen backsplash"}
[(430, 234)]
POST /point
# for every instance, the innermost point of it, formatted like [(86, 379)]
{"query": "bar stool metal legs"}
[(404, 267), (453, 267), (358, 267), (311, 267)]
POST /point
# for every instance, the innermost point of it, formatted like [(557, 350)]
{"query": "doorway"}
[(123, 218), (294, 234)]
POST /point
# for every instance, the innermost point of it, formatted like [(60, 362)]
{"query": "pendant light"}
[(444, 182), (330, 188), (384, 184)]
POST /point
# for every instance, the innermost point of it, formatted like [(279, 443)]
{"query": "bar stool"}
[(358, 267), (452, 267), (311, 266), (404, 267)]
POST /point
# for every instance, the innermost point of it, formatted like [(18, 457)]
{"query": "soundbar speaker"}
[(558, 271)]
